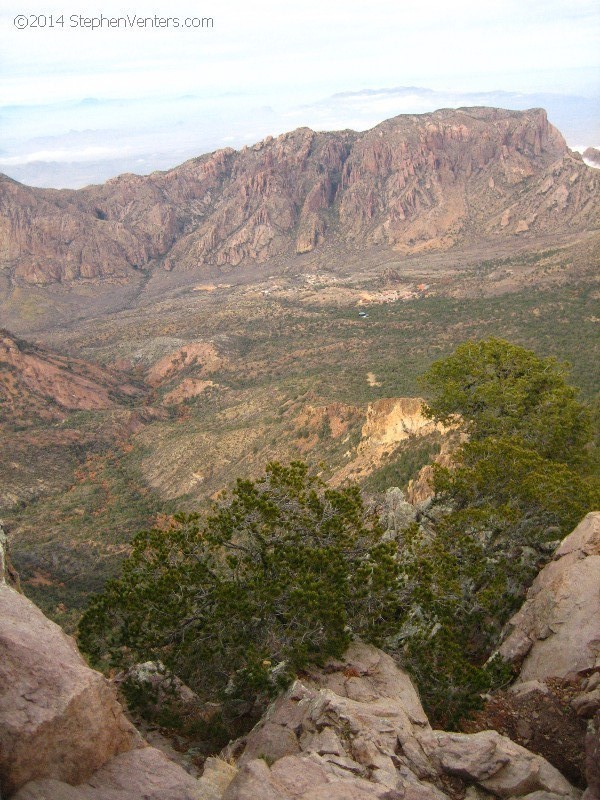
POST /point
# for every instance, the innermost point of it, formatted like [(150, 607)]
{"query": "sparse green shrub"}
[(282, 573), (517, 486)]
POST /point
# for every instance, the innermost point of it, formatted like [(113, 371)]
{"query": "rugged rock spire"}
[(8, 574)]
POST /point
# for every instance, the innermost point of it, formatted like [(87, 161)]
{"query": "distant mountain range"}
[(412, 183), (73, 144)]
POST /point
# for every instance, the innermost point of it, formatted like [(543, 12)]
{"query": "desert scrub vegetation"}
[(284, 571), (280, 573), (79, 535)]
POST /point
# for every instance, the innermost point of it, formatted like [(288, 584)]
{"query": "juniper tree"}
[(282, 572), (498, 389), (520, 482)]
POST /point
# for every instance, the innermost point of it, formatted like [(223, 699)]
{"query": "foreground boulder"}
[(540, 717), (60, 719), (141, 774), (557, 631), (497, 764), (356, 729), (592, 756), (555, 637), (63, 735)]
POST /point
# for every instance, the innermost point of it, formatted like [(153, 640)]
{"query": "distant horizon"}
[(80, 104), (78, 158)]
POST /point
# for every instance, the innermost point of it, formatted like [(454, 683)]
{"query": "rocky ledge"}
[(354, 730)]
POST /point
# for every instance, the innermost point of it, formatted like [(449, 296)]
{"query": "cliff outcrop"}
[(413, 182), (389, 423), (63, 734), (555, 639), (59, 719), (357, 730), (557, 630)]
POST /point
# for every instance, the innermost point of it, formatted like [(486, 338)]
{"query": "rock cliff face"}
[(59, 718), (392, 420), (411, 183), (557, 631), (203, 356), (8, 574), (555, 637), (63, 735), (388, 423), (48, 236)]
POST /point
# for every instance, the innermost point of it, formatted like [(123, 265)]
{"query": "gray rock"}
[(60, 719), (144, 773), (157, 679), (253, 781), (557, 631), (587, 704), (495, 763), (397, 512), (216, 777), (592, 759)]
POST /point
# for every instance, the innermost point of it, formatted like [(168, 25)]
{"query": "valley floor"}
[(235, 369)]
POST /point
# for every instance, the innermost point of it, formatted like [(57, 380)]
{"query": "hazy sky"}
[(264, 67)]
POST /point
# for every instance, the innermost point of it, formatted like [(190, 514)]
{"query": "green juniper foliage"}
[(502, 390), (285, 571), (282, 573), (519, 483)]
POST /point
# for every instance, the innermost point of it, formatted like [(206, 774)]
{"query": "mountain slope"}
[(414, 182), (37, 384)]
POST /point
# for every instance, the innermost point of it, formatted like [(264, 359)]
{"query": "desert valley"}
[(164, 335)]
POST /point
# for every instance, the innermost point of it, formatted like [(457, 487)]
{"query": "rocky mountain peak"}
[(413, 182)]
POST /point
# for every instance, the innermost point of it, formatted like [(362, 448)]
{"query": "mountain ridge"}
[(37, 384), (413, 183)]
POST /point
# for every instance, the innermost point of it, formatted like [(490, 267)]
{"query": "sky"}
[(79, 104)]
